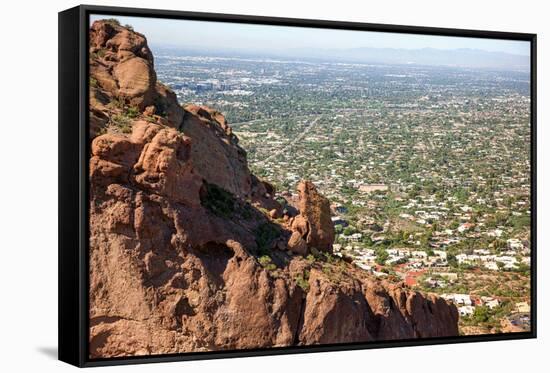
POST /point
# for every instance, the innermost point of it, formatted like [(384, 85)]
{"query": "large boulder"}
[(164, 168), (136, 81), (122, 63), (123, 81), (313, 227)]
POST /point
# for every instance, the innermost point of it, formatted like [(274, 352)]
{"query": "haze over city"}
[(331, 45)]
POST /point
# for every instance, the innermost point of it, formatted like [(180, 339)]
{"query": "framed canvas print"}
[(236, 186)]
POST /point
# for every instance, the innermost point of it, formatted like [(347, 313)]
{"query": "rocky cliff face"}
[(191, 252)]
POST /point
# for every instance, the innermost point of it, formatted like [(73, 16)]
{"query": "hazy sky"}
[(193, 34)]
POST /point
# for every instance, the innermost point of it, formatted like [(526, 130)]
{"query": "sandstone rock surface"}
[(312, 228), (123, 82)]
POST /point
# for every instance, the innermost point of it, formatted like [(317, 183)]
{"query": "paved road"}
[(329, 111), (290, 144), (264, 120)]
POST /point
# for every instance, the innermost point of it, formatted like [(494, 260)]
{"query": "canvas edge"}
[(73, 207)]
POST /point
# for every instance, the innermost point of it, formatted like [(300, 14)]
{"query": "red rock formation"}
[(225, 164), (312, 228), (182, 259), (123, 82)]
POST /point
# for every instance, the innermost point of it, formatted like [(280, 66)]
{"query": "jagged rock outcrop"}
[(312, 228), (123, 82), (184, 257)]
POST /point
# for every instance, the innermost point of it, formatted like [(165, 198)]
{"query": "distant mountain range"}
[(472, 58), (430, 56)]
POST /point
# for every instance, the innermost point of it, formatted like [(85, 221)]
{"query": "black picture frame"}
[(73, 181)]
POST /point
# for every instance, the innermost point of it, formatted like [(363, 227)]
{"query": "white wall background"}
[(28, 184)]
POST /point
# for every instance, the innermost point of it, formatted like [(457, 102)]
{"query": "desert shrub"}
[(112, 21), (132, 112), (98, 54), (264, 236), (160, 106), (116, 103), (282, 201), (329, 258), (123, 123), (381, 256), (218, 200), (302, 280), (101, 131), (263, 210), (348, 231), (267, 263), (246, 211)]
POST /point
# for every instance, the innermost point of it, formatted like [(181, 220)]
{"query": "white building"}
[(461, 258), (514, 244), (490, 302), (362, 265), (466, 310), (356, 237), (459, 299), (482, 251), (419, 254), (506, 259)]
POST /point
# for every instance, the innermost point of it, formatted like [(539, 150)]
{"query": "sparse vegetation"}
[(265, 234), (149, 118), (112, 21), (101, 131), (116, 103), (218, 200), (381, 256), (122, 122), (302, 280), (160, 106), (100, 53), (132, 112), (267, 263)]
